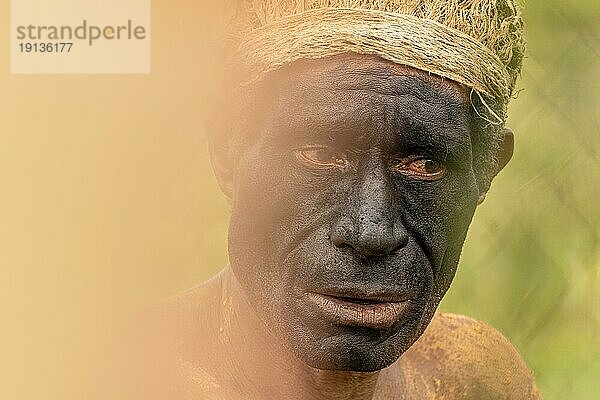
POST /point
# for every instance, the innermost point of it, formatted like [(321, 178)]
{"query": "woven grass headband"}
[(478, 43)]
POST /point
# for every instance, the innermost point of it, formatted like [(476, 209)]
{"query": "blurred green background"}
[(531, 265)]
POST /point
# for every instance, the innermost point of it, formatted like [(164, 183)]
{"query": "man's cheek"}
[(442, 213), (264, 184)]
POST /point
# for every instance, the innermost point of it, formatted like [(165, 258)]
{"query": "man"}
[(359, 138)]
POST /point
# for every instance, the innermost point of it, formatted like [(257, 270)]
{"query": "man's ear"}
[(506, 149), (503, 155), (223, 166)]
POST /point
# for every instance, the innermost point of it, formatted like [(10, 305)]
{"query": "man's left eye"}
[(423, 168), (321, 157)]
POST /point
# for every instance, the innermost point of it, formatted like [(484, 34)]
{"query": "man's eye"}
[(321, 158), (424, 169)]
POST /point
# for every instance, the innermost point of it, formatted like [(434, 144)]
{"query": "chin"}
[(355, 349), (354, 361)]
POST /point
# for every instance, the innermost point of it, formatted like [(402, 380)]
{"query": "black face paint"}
[(342, 236)]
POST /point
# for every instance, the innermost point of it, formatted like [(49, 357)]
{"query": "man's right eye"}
[(321, 158)]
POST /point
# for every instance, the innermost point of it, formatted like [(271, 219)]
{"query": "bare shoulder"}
[(461, 358), (164, 337)]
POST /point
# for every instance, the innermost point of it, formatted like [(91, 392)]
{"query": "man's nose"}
[(371, 224)]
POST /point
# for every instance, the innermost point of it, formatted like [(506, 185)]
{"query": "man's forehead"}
[(353, 71), (367, 100)]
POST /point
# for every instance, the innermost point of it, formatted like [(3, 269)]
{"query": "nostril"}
[(342, 233), (380, 241), (375, 239), (373, 245), (399, 247), (400, 236), (401, 241), (338, 240)]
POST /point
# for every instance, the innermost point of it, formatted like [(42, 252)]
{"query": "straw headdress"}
[(478, 43)]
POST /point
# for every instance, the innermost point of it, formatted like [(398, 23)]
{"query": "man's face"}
[(350, 207)]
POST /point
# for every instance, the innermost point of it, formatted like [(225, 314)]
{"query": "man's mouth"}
[(367, 311)]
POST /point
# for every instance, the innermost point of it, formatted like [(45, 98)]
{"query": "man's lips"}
[(375, 311)]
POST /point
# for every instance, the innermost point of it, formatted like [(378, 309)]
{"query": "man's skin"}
[(351, 198)]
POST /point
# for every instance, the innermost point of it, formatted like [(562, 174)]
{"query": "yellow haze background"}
[(108, 204)]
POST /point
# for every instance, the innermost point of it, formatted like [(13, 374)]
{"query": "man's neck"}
[(260, 365)]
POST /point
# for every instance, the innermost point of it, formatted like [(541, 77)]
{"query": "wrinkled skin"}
[(298, 228), (356, 181)]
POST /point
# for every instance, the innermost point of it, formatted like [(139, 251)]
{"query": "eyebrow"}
[(450, 141)]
